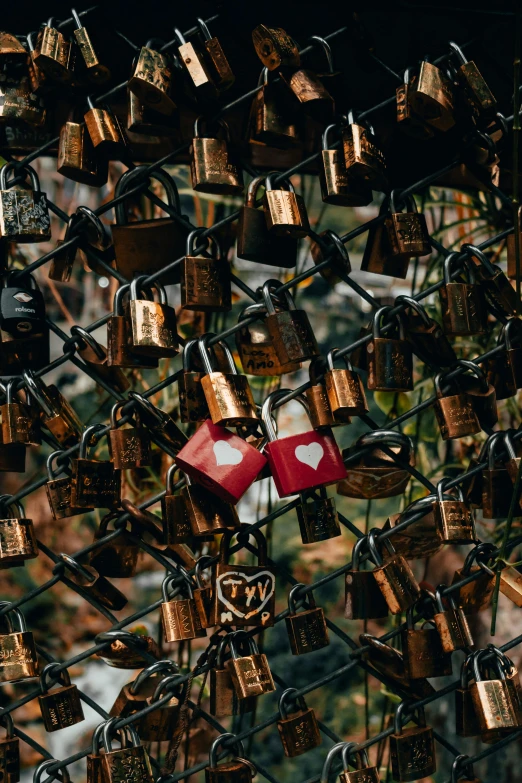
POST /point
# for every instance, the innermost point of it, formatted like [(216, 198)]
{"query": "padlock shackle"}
[(483, 550), (266, 410), (509, 445), (330, 756), (22, 626), (495, 663), (329, 236), (205, 349), (389, 438), (148, 407), (468, 268), (154, 668), (108, 736), (166, 683), (330, 359), (83, 334), (459, 765), (87, 438), (398, 717), (9, 386), (327, 49), (474, 252), (37, 390), (135, 287), (127, 182), (228, 535), (506, 329), (191, 241), (179, 35), (199, 567), (169, 478), (7, 502), (439, 378), (477, 371), (6, 720), (177, 582), (284, 182), (239, 636), (352, 749), (292, 695), (114, 411), (352, 119), (409, 301), (45, 675), (441, 487), (187, 353), (267, 296), (253, 187), (398, 201), (376, 322), (457, 51), (361, 543), (41, 768), (28, 170), (212, 756), (74, 565), (373, 547), (220, 123), (328, 131)]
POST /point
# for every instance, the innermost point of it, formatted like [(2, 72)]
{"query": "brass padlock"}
[(497, 486), (466, 720), (17, 536), (454, 411), (363, 772), (408, 121), (330, 254), (127, 650), (306, 630), (152, 79), (425, 334), (394, 576), (18, 659), (499, 292), (77, 159), (144, 121), (477, 95), (255, 242), (117, 557), (9, 752), (222, 74), (228, 395), (52, 54), (59, 490), (461, 303), (390, 361), (336, 186), (107, 136), (119, 341), (454, 518), (238, 770), (317, 517), (511, 584), (94, 772), (290, 329), (19, 101), (150, 244), (133, 696), (491, 697), (203, 592), (389, 662), (179, 614), (97, 72), (275, 48), (451, 623), (344, 389), (153, 327), (271, 122), (164, 722), (11, 50), (95, 247), (207, 514), (161, 423), (422, 536), (298, 729), (476, 596), (213, 165), (250, 673), (24, 215), (319, 407), (407, 231), (19, 420), (256, 346), (95, 483), (131, 762), (432, 97), (363, 597), (412, 751), (363, 159), (224, 701), (129, 448), (205, 280), (174, 511), (513, 684), (192, 402), (422, 650), (93, 585), (375, 473), (62, 707), (57, 414), (311, 94), (285, 210), (197, 70)]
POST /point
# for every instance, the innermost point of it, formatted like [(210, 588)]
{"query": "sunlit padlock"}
[(76, 157), (197, 70), (363, 597), (62, 707), (174, 511), (179, 614), (454, 517), (408, 121), (205, 279), (95, 483), (223, 697), (407, 231), (393, 574), (213, 166), (376, 473), (20, 102), (336, 186), (238, 770), (432, 97), (207, 515), (228, 395), (290, 329), (412, 751), (285, 210), (306, 630), (152, 79), (454, 411), (275, 48), (17, 536), (311, 93), (119, 338), (491, 697), (298, 728), (345, 390), (250, 673), (52, 54), (256, 348), (451, 623), (255, 242), (24, 215), (18, 659), (193, 405), (363, 159), (364, 772), (153, 327), (321, 415)]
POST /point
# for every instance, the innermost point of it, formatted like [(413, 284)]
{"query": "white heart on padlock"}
[(310, 455), (226, 454)]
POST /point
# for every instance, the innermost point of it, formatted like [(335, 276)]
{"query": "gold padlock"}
[(152, 79), (432, 97), (197, 70), (153, 327), (213, 167), (336, 186), (18, 659), (345, 390), (179, 613), (285, 210), (256, 346), (97, 72), (205, 280), (228, 395), (221, 71), (363, 160), (17, 537), (77, 159), (52, 54)]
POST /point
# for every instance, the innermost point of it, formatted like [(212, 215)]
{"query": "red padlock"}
[(299, 462), (221, 461)]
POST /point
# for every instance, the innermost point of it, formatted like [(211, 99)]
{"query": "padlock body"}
[(208, 514), (18, 659), (345, 392), (299, 732), (243, 596), (453, 629), (456, 522), (364, 775), (129, 764), (390, 365), (181, 620), (130, 448), (378, 258), (455, 416), (293, 337), (162, 724), (420, 539), (24, 216), (336, 187), (205, 284), (511, 584), (466, 721), (304, 461), (256, 243), (116, 558), (229, 772), (476, 595), (397, 583), (258, 354), (423, 654), (432, 97), (319, 408), (285, 213), (251, 675), (119, 353), (307, 631), (318, 520), (153, 328), (363, 597), (497, 490), (412, 754), (76, 157), (151, 81), (147, 246), (176, 523), (229, 398), (61, 708), (492, 705), (478, 95), (213, 170), (224, 701), (59, 497), (408, 234), (22, 310), (10, 759), (17, 541), (95, 484), (462, 309)]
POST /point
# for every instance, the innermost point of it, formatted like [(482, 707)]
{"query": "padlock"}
[(119, 342), (375, 473), (285, 210), (298, 729), (62, 263), (422, 650), (390, 361), (174, 511), (407, 231), (478, 97), (311, 94), (107, 136), (306, 630), (425, 334), (394, 576), (363, 597), (453, 516), (20, 103), (134, 695), (275, 48), (290, 329), (18, 659), (92, 584), (243, 595), (129, 448), (364, 772), (57, 414), (193, 405), (317, 517), (407, 120), (94, 773), (224, 701), (152, 79), (412, 751), (213, 165), (127, 650), (336, 186), (205, 280), (512, 683), (203, 594), (132, 762), (451, 623), (40, 772), (11, 50), (9, 752), (476, 596), (207, 514), (238, 770), (497, 484), (17, 536), (432, 97), (389, 662), (302, 461), (160, 423), (271, 122), (228, 395), (195, 66), (153, 327), (59, 490), (462, 304), (77, 159), (163, 723), (256, 346), (454, 411), (144, 121), (511, 584), (117, 557), (377, 257), (19, 420), (250, 673), (148, 245), (255, 242), (345, 390), (321, 415), (481, 393), (461, 771), (96, 71), (363, 159), (95, 483), (52, 54), (422, 536), (504, 369), (62, 707), (22, 307), (24, 216), (179, 614), (498, 290), (222, 74), (466, 720), (491, 697)]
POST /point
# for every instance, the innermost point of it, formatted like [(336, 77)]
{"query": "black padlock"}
[(22, 307)]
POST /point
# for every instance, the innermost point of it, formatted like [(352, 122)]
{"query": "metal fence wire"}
[(62, 570)]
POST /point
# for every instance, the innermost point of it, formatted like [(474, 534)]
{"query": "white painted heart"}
[(310, 455), (235, 579), (226, 454)]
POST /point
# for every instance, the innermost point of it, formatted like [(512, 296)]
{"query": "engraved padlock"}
[(213, 166), (179, 613), (17, 536), (285, 210), (61, 707), (59, 489), (18, 658), (228, 395), (256, 347), (205, 279), (250, 673), (255, 242), (24, 215), (306, 630), (153, 328), (290, 329), (129, 445), (298, 727)]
